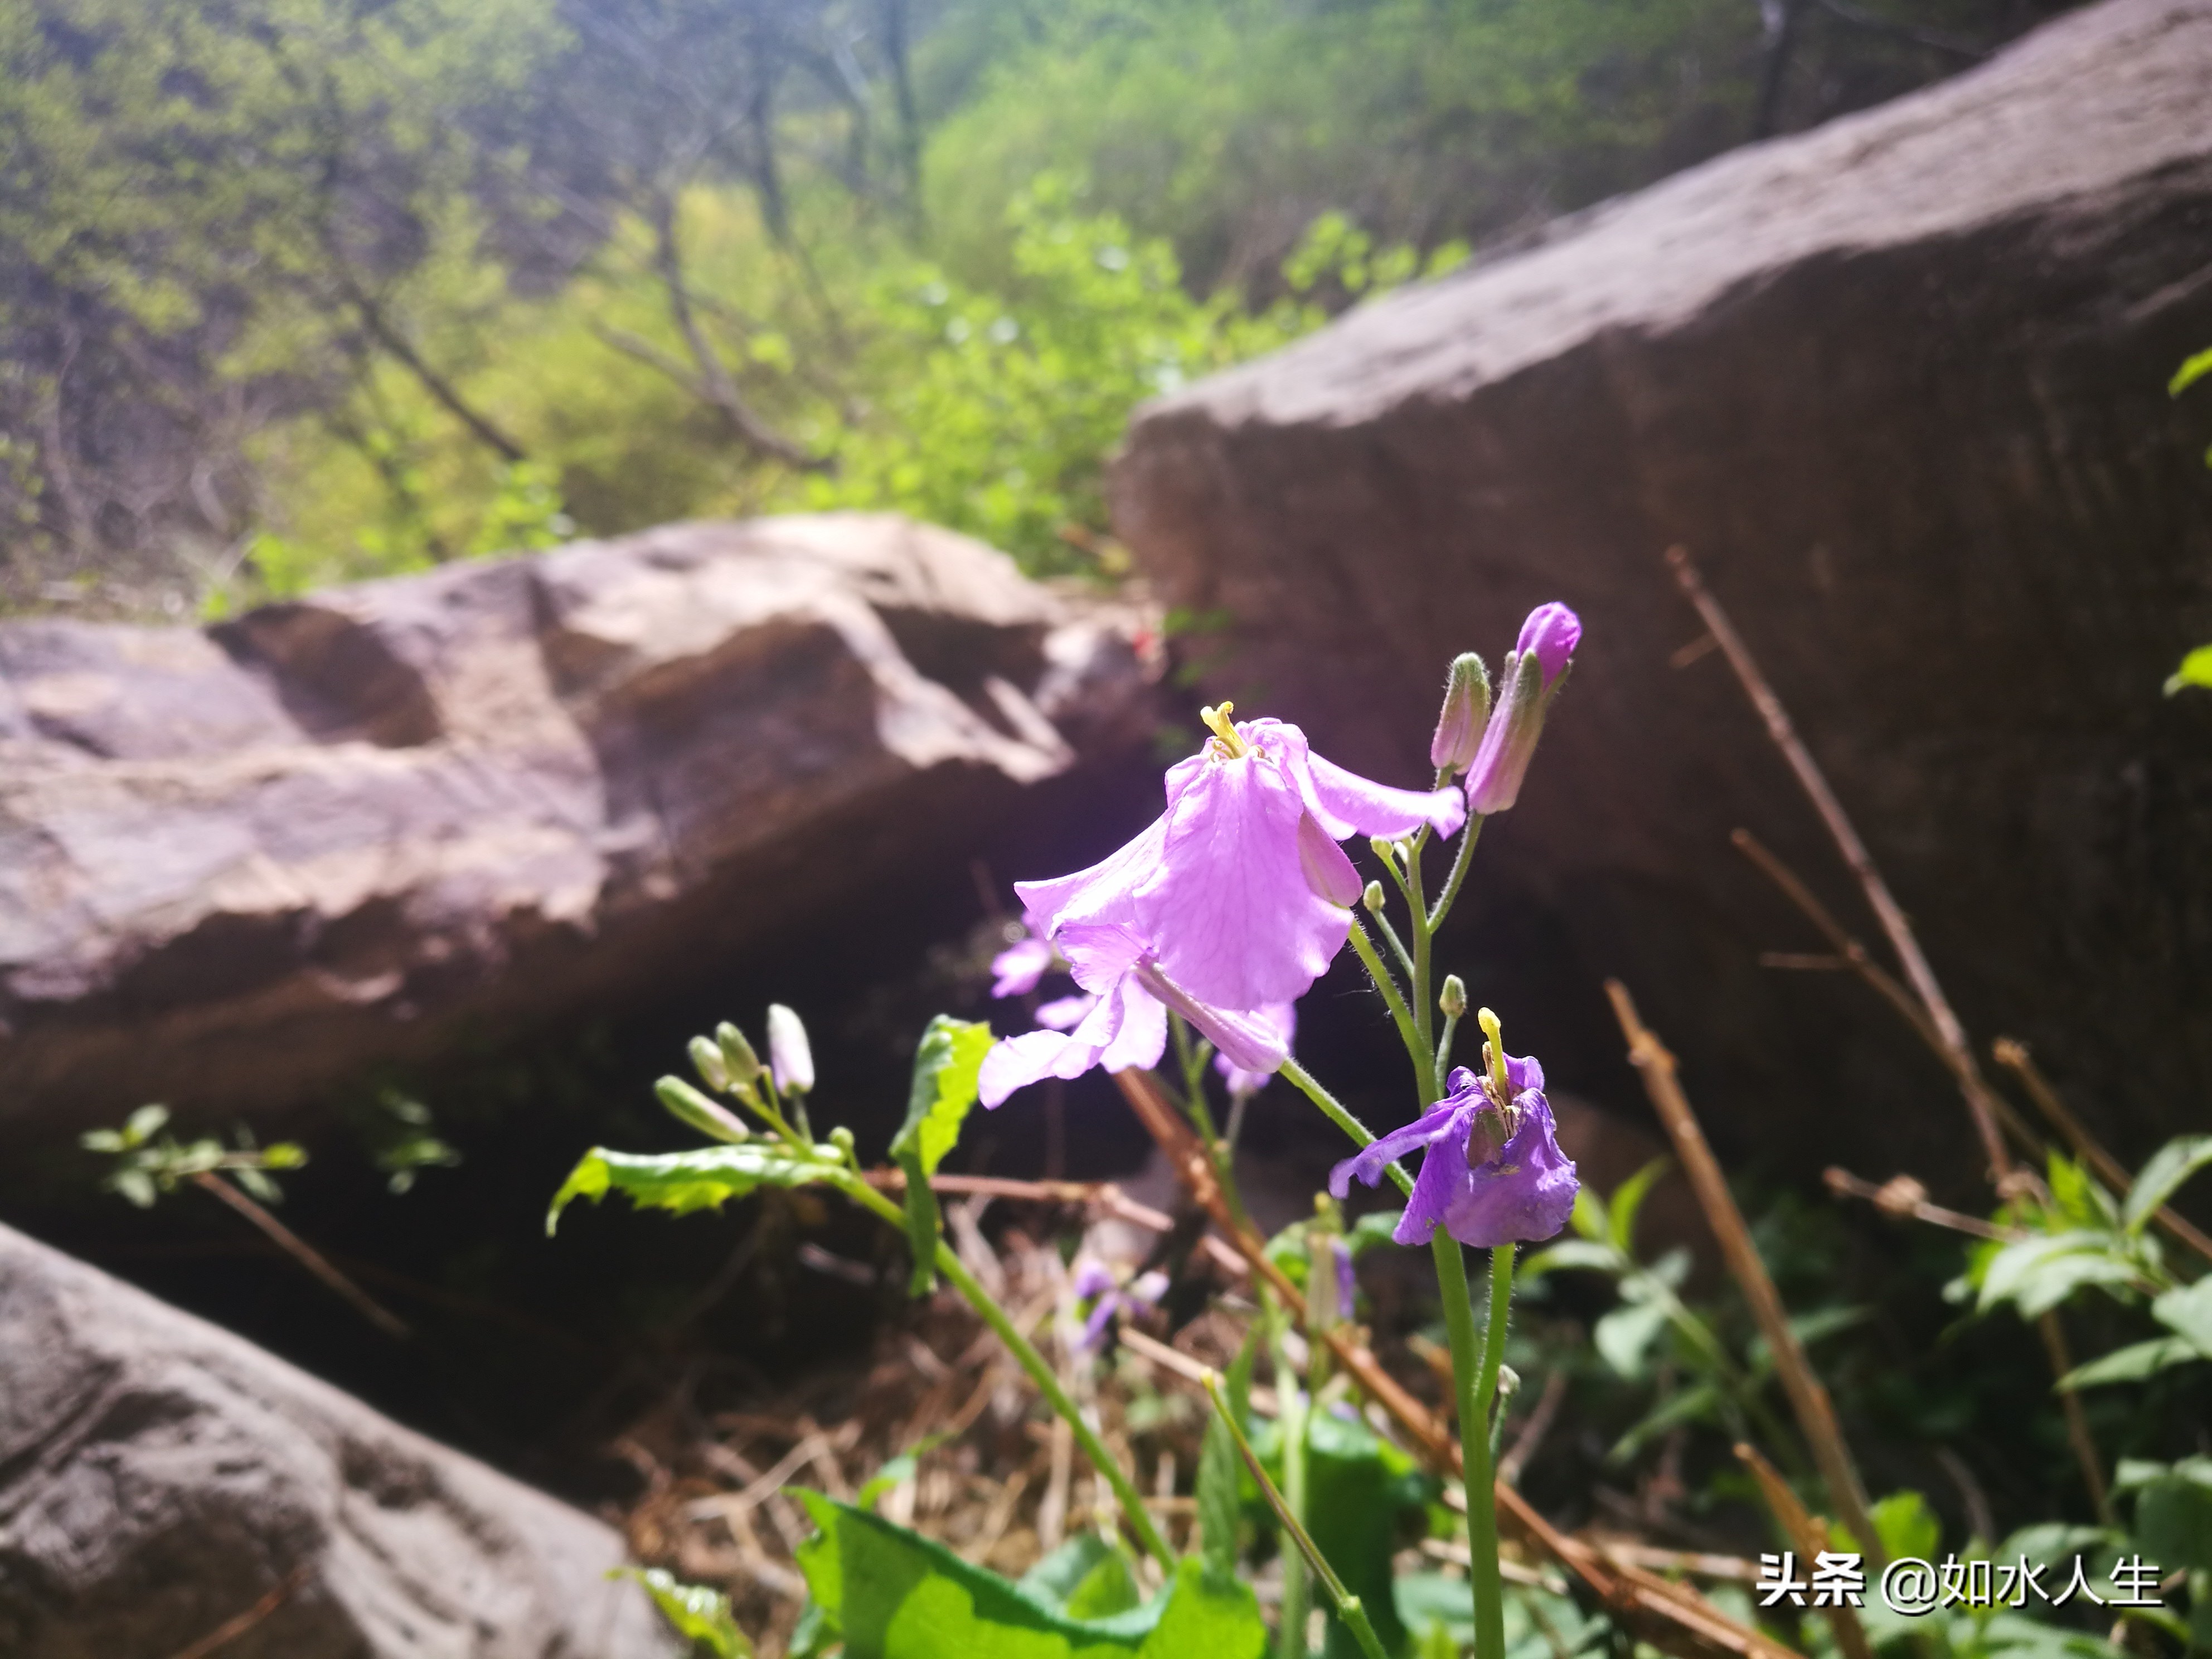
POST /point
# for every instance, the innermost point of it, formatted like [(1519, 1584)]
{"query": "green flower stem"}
[(1444, 1046), (1024, 1352), (1475, 1436), (1349, 1606), (1332, 1110), (1297, 1584), (1467, 837), (1424, 1008)]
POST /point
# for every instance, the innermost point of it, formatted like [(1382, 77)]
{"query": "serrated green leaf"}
[(698, 1614), (2188, 1314), (2132, 1364), (945, 1068), (1628, 1198), (2171, 1164), (681, 1183), (892, 1593)]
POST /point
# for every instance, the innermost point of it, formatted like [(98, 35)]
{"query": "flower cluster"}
[(1228, 907)]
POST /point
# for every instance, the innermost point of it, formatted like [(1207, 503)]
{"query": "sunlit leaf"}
[(1628, 1200), (2173, 1163), (698, 1614), (945, 1068), (680, 1182), (2188, 1313), (2132, 1364)]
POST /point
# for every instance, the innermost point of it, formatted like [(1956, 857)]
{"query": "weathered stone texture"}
[(159, 1478), (1900, 385)]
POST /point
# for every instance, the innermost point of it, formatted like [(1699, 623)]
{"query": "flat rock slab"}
[(159, 1478), (1900, 384), (237, 863)]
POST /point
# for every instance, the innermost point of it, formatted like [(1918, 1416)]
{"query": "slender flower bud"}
[(790, 1058), (738, 1059), (707, 1061), (1328, 871), (1532, 675), (1451, 1001), (686, 1105), (1466, 707), (1372, 898)]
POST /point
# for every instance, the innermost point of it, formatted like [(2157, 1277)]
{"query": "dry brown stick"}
[(1810, 1537), (1856, 957), (1670, 1616), (305, 1253), (1949, 1032), (2014, 1056), (1982, 1102), (231, 1628), (1809, 1398), (1901, 1195), (1103, 1195), (2077, 1420)]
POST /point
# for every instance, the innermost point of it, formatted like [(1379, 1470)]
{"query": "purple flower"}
[(1126, 1024), (1348, 1281), (1240, 887), (1493, 1173), (1021, 965), (1281, 1017), (1093, 1279), (1529, 680)]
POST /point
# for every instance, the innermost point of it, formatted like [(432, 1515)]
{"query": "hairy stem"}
[(1041, 1373), (1333, 1111)]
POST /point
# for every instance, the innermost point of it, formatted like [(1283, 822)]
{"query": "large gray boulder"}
[(159, 1478), (1900, 385), (237, 863)]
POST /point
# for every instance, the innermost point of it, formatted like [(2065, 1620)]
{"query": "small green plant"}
[(147, 1163)]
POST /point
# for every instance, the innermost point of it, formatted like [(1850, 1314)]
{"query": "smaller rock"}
[(160, 1477)]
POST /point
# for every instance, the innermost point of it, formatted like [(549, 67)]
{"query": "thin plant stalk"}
[(305, 1253), (1024, 1351), (1349, 1608), (1808, 1399), (1291, 1421)]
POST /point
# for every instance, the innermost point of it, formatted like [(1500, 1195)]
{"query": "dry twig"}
[(1811, 1537)]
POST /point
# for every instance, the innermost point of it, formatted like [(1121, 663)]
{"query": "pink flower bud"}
[(1466, 706), (1532, 675)]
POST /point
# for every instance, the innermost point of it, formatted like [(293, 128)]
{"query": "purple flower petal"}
[(1523, 1194), (1100, 893), (1329, 873), (1124, 1028), (1094, 1327), (1553, 632), (1065, 1013), (1347, 804), (1233, 918), (1368, 1164), (1020, 966), (1091, 1278), (1283, 1017), (1250, 1043)]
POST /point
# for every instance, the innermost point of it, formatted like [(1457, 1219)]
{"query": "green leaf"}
[(945, 1067), (2039, 1273), (2196, 668), (1572, 1253), (1628, 1198), (1589, 1216), (101, 1141), (698, 1614), (894, 1594), (2173, 1517), (2176, 1161), (1699, 1403), (1220, 1467), (1374, 1228), (1358, 1488), (897, 1472), (1907, 1526), (2132, 1364), (1087, 1577), (2195, 369), (144, 1124), (1624, 1335), (2188, 1313), (680, 1182), (134, 1184)]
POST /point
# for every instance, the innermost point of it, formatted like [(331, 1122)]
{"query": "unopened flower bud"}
[(790, 1057), (1372, 898), (1467, 707), (686, 1105), (707, 1061), (1531, 678), (738, 1059), (1451, 1001)]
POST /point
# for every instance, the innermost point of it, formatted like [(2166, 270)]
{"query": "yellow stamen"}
[(1217, 721), (1493, 1052)]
